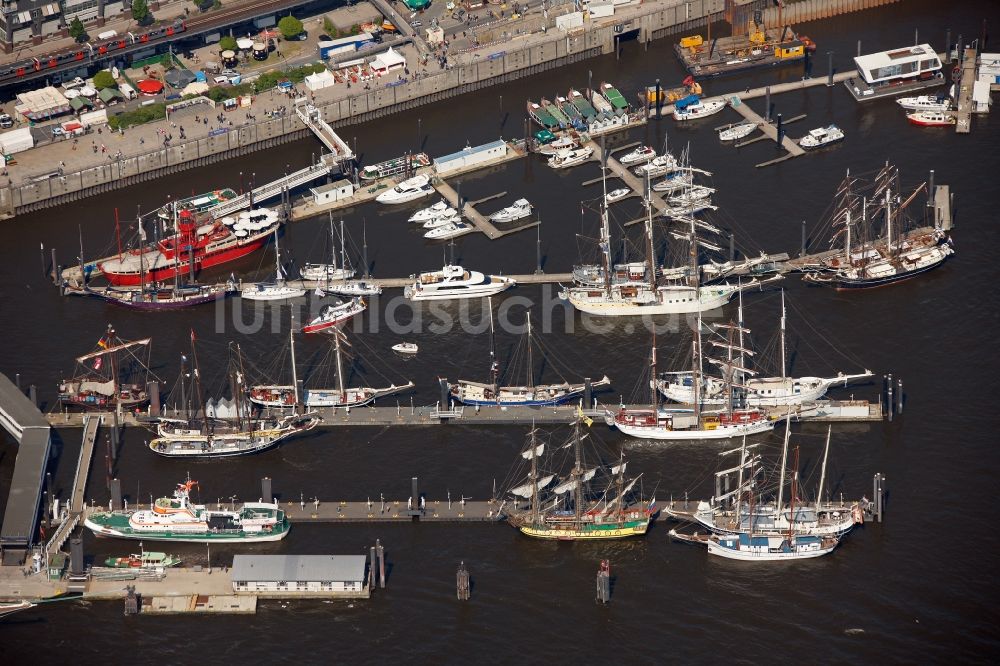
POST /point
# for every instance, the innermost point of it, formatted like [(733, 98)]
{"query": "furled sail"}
[(538, 450), (571, 484), (614, 503), (526, 490)]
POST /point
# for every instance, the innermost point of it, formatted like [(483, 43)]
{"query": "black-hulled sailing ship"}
[(113, 375), (223, 428), (874, 241), (528, 394)]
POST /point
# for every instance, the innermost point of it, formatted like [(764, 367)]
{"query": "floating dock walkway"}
[(963, 110)]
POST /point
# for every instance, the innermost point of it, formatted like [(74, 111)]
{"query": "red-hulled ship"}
[(197, 244)]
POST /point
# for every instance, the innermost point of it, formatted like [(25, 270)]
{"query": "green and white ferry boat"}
[(177, 519)]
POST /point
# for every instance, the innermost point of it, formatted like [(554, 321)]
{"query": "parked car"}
[(75, 83), (325, 38), (6, 121), (229, 72), (58, 131), (416, 24)]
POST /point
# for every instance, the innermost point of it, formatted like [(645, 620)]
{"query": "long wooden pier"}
[(90, 423), (963, 111)]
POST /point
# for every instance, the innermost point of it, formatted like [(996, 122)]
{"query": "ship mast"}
[(791, 500), (577, 476), (494, 366), (651, 252), (822, 473), (113, 357), (739, 480), (696, 369), (784, 459), (343, 253), (277, 259), (205, 425), (530, 382), (888, 222), (534, 476), (653, 399), (295, 379), (783, 318), (340, 366)]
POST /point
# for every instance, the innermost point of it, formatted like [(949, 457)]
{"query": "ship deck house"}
[(907, 62), (300, 575)]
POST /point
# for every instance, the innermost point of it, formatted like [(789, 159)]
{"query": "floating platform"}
[(862, 92), (731, 55), (195, 603)]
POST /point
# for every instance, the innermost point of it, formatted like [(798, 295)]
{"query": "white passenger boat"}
[(640, 155), (449, 217), (570, 157), (453, 282), (406, 348), (410, 189), (925, 103), (659, 166), (431, 212), (821, 136), (701, 109), (515, 211)]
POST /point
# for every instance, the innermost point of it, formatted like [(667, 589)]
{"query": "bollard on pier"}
[(604, 582), (463, 587)]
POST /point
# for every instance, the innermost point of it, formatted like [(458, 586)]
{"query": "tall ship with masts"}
[(112, 376), (529, 394), (731, 512), (641, 288), (223, 428), (588, 502), (342, 395), (753, 390), (695, 423), (873, 242)]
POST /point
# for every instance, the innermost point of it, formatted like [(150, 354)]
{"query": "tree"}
[(77, 31), (290, 27), (103, 79), (140, 12), (227, 43), (329, 28)]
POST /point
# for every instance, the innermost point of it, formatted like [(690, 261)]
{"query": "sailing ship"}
[(280, 396), (737, 131), (453, 282), (331, 271), (332, 314), (730, 513), (153, 297), (278, 290), (755, 391), (876, 248), (653, 422), (527, 395), (589, 502), (177, 518), (754, 545), (210, 433), (196, 243), (110, 377), (641, 288)]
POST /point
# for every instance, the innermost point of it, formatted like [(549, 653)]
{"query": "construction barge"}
[(751, 44)]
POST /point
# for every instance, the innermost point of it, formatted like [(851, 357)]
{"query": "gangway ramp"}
[(90, 425), (276, 187), (312, 118)]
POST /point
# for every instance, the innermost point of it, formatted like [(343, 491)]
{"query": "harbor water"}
[(916, 588)]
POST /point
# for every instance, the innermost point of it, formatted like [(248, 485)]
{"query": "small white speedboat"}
[(640, 155), (698, 110), (406, 348), (734, 132), (617, 195)]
